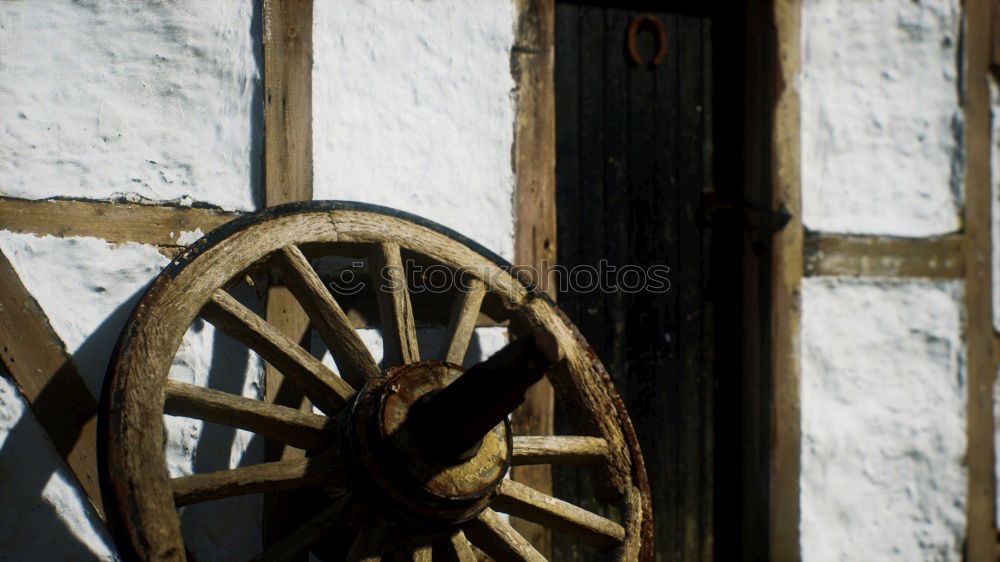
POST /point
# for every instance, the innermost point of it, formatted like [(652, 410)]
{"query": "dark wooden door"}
[(638, 156)]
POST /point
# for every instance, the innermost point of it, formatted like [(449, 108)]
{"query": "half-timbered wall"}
[(886, 356), (161, 104)]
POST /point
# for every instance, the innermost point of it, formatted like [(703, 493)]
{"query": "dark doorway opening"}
[(651, 173)]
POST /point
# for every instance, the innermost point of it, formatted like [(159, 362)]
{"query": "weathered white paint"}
[(43, 512), (881, 123), (883, 420), (412, 109), (159, 100)]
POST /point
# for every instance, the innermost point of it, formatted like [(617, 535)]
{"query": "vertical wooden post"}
[(533, 67), (786, 268), (981, 534), (287, 177)]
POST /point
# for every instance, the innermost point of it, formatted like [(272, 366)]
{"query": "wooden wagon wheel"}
[(382, 474)]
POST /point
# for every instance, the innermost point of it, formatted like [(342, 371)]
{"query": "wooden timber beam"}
[(157, 225), (288, 52), (786, 265), (37, 361), (981, 530), (881, 256), (533, 68)]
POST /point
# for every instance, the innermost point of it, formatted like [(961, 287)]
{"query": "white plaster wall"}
[(883, 420), (412, 109), (155, 100), (881, 123)]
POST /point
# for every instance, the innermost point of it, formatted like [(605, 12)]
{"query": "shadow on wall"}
[(42, 508), (42, 503)]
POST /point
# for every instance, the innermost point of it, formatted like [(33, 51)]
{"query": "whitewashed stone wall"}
[(883, 385), (152, 101)]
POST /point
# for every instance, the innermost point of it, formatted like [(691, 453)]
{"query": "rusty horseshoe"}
[(661, 38)]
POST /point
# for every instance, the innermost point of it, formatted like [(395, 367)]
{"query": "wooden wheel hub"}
[(406, 475)]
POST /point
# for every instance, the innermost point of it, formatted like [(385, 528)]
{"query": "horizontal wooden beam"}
[(158, 225), (881, 256)]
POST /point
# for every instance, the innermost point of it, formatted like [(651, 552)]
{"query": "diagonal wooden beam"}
[(37, 361)]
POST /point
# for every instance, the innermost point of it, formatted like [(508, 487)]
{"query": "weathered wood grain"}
[(559, 449), (519, 500), (535, 235), (323, 386), (288, 176), (158, 225), (288, 52), (880, 256), (285, 425), (144, 494), (981, 533), (499, 540), (456, 549), (786, 263), (44, 372), (464, 313), (265, 477), (355, 362), (399, 332)]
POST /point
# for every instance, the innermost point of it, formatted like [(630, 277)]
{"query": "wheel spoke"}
[(455, 549), (284, 425), (498, 539), (314, 531), (521, 501), (355, 362), (327, 391), (369, 544), (266, 477), (559, 449), (417, 549), (399, 332), (464, 313)]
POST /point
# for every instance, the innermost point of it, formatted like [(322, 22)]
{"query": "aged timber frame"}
[(965, 255), (533, 69)]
